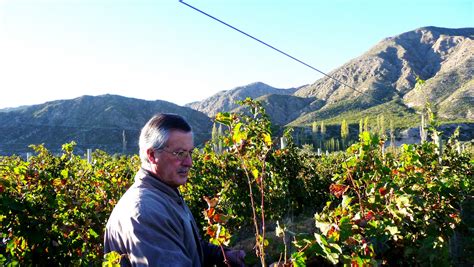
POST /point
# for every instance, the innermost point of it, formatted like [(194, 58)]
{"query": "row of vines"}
[(54, 208), (369, 208)]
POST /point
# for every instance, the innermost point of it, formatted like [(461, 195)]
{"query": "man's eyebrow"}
[(182, 149)]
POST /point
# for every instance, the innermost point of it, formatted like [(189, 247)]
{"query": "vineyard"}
[(368, 205)]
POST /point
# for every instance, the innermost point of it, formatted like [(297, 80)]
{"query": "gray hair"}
[(155, 133)]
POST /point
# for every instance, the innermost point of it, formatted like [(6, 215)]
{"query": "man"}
[(151, 225)]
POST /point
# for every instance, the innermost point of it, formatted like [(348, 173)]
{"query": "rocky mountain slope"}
[(107, 122), (225, 100), (385, 75), (442, 57)]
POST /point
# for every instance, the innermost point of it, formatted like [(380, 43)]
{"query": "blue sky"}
[(52, 49)]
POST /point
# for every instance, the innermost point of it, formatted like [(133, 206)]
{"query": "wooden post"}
[(89, 156), (282, 142)]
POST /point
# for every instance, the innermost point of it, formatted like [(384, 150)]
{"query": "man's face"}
[(169, 167)]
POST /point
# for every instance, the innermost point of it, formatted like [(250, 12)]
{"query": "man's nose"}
[(188, 161)]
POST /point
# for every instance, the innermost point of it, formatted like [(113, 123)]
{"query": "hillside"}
[(225, 100), (283, 109), (386, 75), (442, 57), (103, 122)]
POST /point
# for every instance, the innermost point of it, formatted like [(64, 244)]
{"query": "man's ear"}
[(152, 155)]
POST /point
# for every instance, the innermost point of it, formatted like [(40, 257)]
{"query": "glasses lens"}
[(181, 155)]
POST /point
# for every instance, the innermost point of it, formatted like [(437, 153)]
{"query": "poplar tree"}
[(214, 133), (214, 137), (314, 132), (366, 124), (344, 132), (323, 131), (220, 133), (392, 134), (381, 126), (124, 142), (377, 126)]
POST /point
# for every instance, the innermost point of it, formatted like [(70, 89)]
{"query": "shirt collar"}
[(147, 178)]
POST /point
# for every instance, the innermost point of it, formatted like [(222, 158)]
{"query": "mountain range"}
[(383, 80), (385, 75), (108, 122)]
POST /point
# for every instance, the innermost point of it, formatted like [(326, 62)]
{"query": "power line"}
[(276, 49)]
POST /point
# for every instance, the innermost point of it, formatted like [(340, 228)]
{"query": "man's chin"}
[(183, 179)]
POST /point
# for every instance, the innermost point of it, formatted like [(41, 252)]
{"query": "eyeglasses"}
[(180, 155)]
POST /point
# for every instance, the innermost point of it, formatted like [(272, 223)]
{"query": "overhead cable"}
[(276, 49)]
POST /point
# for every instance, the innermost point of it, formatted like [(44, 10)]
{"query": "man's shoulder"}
[(143, 198)]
